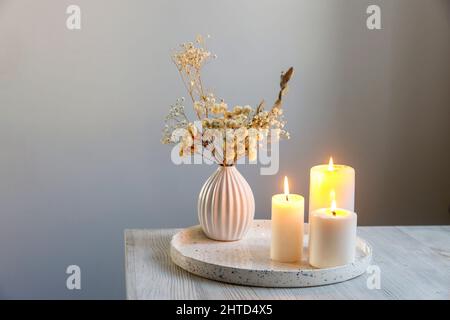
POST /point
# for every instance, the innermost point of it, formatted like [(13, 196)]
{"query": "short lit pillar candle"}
[(327, 177), (332, 236), (287, 226)]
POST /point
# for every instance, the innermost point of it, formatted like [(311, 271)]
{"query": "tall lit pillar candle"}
[(287, 226), (332, 237), (328, 177)]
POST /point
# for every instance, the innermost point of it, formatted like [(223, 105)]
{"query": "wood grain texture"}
[(414, 263)]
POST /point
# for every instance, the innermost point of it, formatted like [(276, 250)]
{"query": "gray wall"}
[(81, 114)]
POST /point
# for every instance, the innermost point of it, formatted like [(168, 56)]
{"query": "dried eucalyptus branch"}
[(273, 118), (285, 77)]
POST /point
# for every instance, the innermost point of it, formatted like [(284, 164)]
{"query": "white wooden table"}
[(414, 264)]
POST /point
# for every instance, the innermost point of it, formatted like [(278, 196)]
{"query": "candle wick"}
[(334, 213), (287, 197)]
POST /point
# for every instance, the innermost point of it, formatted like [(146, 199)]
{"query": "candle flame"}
[(333, 205), (286, 186), (333, 200), (331, 164)]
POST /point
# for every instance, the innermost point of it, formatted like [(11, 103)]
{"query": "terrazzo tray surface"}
[(247, 261)]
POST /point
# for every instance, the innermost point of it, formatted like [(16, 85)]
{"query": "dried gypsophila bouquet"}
[(224, 135)]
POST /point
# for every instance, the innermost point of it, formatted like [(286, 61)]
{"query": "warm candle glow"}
[(331, 176), (333, 205), (286, 188), (331, 164), (333, 202)]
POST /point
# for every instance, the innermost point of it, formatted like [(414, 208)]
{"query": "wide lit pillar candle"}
[(327, 177), (332, 237), (287, 226)]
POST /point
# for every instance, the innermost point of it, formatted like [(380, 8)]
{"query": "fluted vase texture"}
[(226, 205)]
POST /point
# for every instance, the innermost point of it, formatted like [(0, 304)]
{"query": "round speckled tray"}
[(247, 261)]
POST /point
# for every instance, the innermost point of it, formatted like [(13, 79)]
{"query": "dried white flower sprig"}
[(226, 134)]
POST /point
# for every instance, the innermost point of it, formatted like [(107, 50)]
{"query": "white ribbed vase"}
[(226, 206)]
